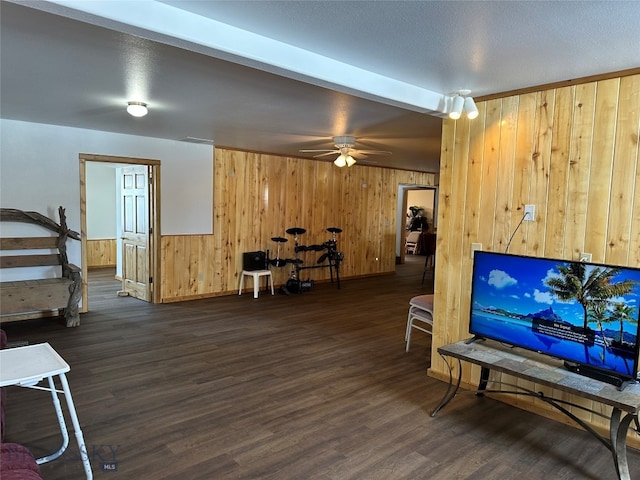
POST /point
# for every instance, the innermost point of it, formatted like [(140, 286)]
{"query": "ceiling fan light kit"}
[(342, 161), (137, 109)]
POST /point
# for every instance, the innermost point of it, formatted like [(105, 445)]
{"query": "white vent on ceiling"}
[(203, 141)]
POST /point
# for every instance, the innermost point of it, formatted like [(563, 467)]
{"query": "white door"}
[(136, 281)]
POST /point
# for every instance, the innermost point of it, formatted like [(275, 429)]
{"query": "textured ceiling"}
[(280, 76)]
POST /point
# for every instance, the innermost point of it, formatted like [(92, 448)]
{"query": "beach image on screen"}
[(581, 312)]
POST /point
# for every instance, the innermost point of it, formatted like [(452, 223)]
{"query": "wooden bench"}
[(22, 299)]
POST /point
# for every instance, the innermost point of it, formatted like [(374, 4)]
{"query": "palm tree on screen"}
[(587, 285), (623, 313), (598, 314)]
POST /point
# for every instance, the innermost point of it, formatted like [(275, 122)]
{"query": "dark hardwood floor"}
[(310, 386)]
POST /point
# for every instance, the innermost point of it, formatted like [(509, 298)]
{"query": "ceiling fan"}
[(347, 154)]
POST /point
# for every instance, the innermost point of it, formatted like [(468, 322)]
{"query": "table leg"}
[(618, 434), (451, 391), (484, 379), (76, 426), (63, 426)]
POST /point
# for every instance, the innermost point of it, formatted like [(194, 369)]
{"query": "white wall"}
[(101, 201), (39, 171), (425, 199)]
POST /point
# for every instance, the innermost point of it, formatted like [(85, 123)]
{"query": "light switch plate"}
[(529, 213)]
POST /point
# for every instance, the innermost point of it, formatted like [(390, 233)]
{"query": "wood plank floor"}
[(311, 386)]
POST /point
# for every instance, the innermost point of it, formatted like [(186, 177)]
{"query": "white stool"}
[(421, 310), (256, 274)]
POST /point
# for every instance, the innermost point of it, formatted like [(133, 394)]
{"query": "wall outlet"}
[(475, 247), (529, 213), (585, 257)]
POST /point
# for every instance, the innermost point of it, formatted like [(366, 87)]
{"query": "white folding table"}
[(29, 365)]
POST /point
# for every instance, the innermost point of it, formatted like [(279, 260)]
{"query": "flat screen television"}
[(583, 313)]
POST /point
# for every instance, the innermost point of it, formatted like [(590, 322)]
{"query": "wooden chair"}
[(412, 244)]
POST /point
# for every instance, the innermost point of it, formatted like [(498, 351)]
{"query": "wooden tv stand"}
[(544, 370)]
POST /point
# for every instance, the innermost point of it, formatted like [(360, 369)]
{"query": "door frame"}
[(403, 205), (154, 219)]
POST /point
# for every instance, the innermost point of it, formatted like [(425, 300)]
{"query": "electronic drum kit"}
[(294, 284)]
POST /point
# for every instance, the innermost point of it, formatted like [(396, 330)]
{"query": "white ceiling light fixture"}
[(456, 108), (137, 109), (470, 108), (463, 102)]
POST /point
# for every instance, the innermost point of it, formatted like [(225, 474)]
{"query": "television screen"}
[(584, 313)]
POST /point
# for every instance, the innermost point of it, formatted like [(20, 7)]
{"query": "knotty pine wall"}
[(570, 151), (259, 196), (101, 252)]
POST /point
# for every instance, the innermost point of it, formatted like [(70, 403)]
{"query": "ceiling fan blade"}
[(375, 152), (318, 150), (357, 154), (331, 152)]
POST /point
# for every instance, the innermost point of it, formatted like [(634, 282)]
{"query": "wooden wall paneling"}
[(601, 168), (167, 267), (101, 252), (541, 161), (524, 143), (456, 287), (505, 221), (441, 320), (185, 273), (171, 257), (274, 220), (375, 217), (625, 165), (226, 178), (559, 174), (220, 229), (634, 245), (389, 200), (195, 265), (207, 265), (240, 210), (579, 168), (490, 166)]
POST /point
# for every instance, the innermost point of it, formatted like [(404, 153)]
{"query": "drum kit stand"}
[(331, 255)]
